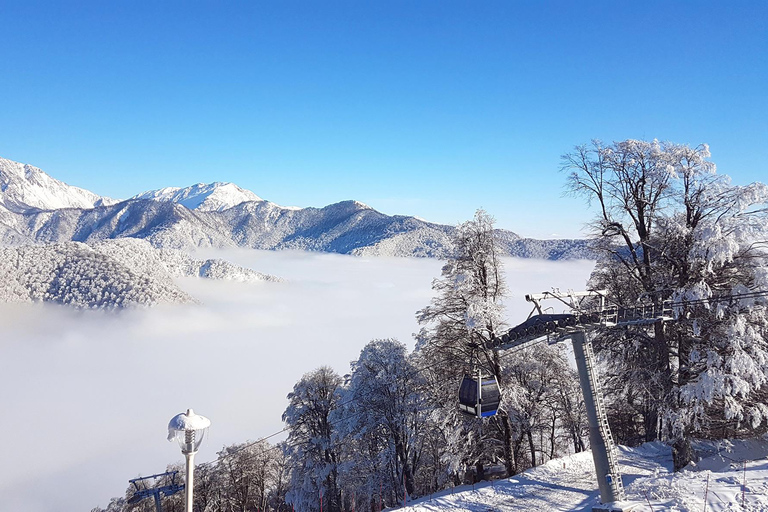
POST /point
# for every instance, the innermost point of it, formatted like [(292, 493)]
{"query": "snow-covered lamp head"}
[(188, 429)]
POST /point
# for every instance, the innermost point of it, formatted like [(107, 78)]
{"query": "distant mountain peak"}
[(24, 187), (216, 196), (362, 206)]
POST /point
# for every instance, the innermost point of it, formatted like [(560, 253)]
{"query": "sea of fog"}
[(86, 396)]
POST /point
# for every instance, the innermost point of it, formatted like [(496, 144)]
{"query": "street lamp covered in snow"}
[(188, 429)]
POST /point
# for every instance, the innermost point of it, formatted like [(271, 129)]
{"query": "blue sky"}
[(428, 108)]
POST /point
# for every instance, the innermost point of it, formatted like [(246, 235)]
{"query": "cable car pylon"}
[(604, 451), (574, 326)]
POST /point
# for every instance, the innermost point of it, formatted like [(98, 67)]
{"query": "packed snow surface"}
[(729, 474)]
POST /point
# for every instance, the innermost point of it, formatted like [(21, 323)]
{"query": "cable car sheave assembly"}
[(165, 490), (480, 395), (561, 325)]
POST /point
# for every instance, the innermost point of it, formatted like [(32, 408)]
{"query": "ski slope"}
[(569, 484)]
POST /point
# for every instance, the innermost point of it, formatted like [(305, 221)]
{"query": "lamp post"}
[(188, 429)]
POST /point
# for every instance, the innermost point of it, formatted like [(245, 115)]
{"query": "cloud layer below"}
[(87, 395)]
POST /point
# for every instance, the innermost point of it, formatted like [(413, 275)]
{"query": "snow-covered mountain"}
[(24, 187), (216, 196), (224, 215)]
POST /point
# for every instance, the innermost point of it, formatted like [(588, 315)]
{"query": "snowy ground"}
[(569, 484)]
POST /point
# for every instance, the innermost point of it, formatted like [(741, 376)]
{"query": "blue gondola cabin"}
[(481, 400)]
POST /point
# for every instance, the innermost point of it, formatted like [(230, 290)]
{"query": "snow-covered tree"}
[(209, 493), (245, 475), (115, 505), (545, 404), (465, 313), (467, 307), (669, 227), (280, 479), (382, 419), (722, 347), (312, 451)]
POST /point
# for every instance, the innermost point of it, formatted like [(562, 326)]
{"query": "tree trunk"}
[(532, 447), (479, 472), (682, 453), (518, 449), (509, 458), (407, 469), (552, 433)]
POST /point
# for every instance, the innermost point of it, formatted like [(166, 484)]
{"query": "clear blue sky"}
[(428, 108)]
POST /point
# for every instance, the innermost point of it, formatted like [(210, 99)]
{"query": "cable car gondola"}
[(479, 395)]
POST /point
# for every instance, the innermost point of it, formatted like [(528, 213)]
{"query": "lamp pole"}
[(190, 485), (188, 429)]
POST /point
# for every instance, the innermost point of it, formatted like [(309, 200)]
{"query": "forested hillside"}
[(106, 275)]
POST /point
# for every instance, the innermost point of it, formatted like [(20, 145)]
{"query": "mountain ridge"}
[(225, 215)]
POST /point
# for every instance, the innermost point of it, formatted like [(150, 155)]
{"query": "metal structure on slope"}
[(574, 326), (142, 492)]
